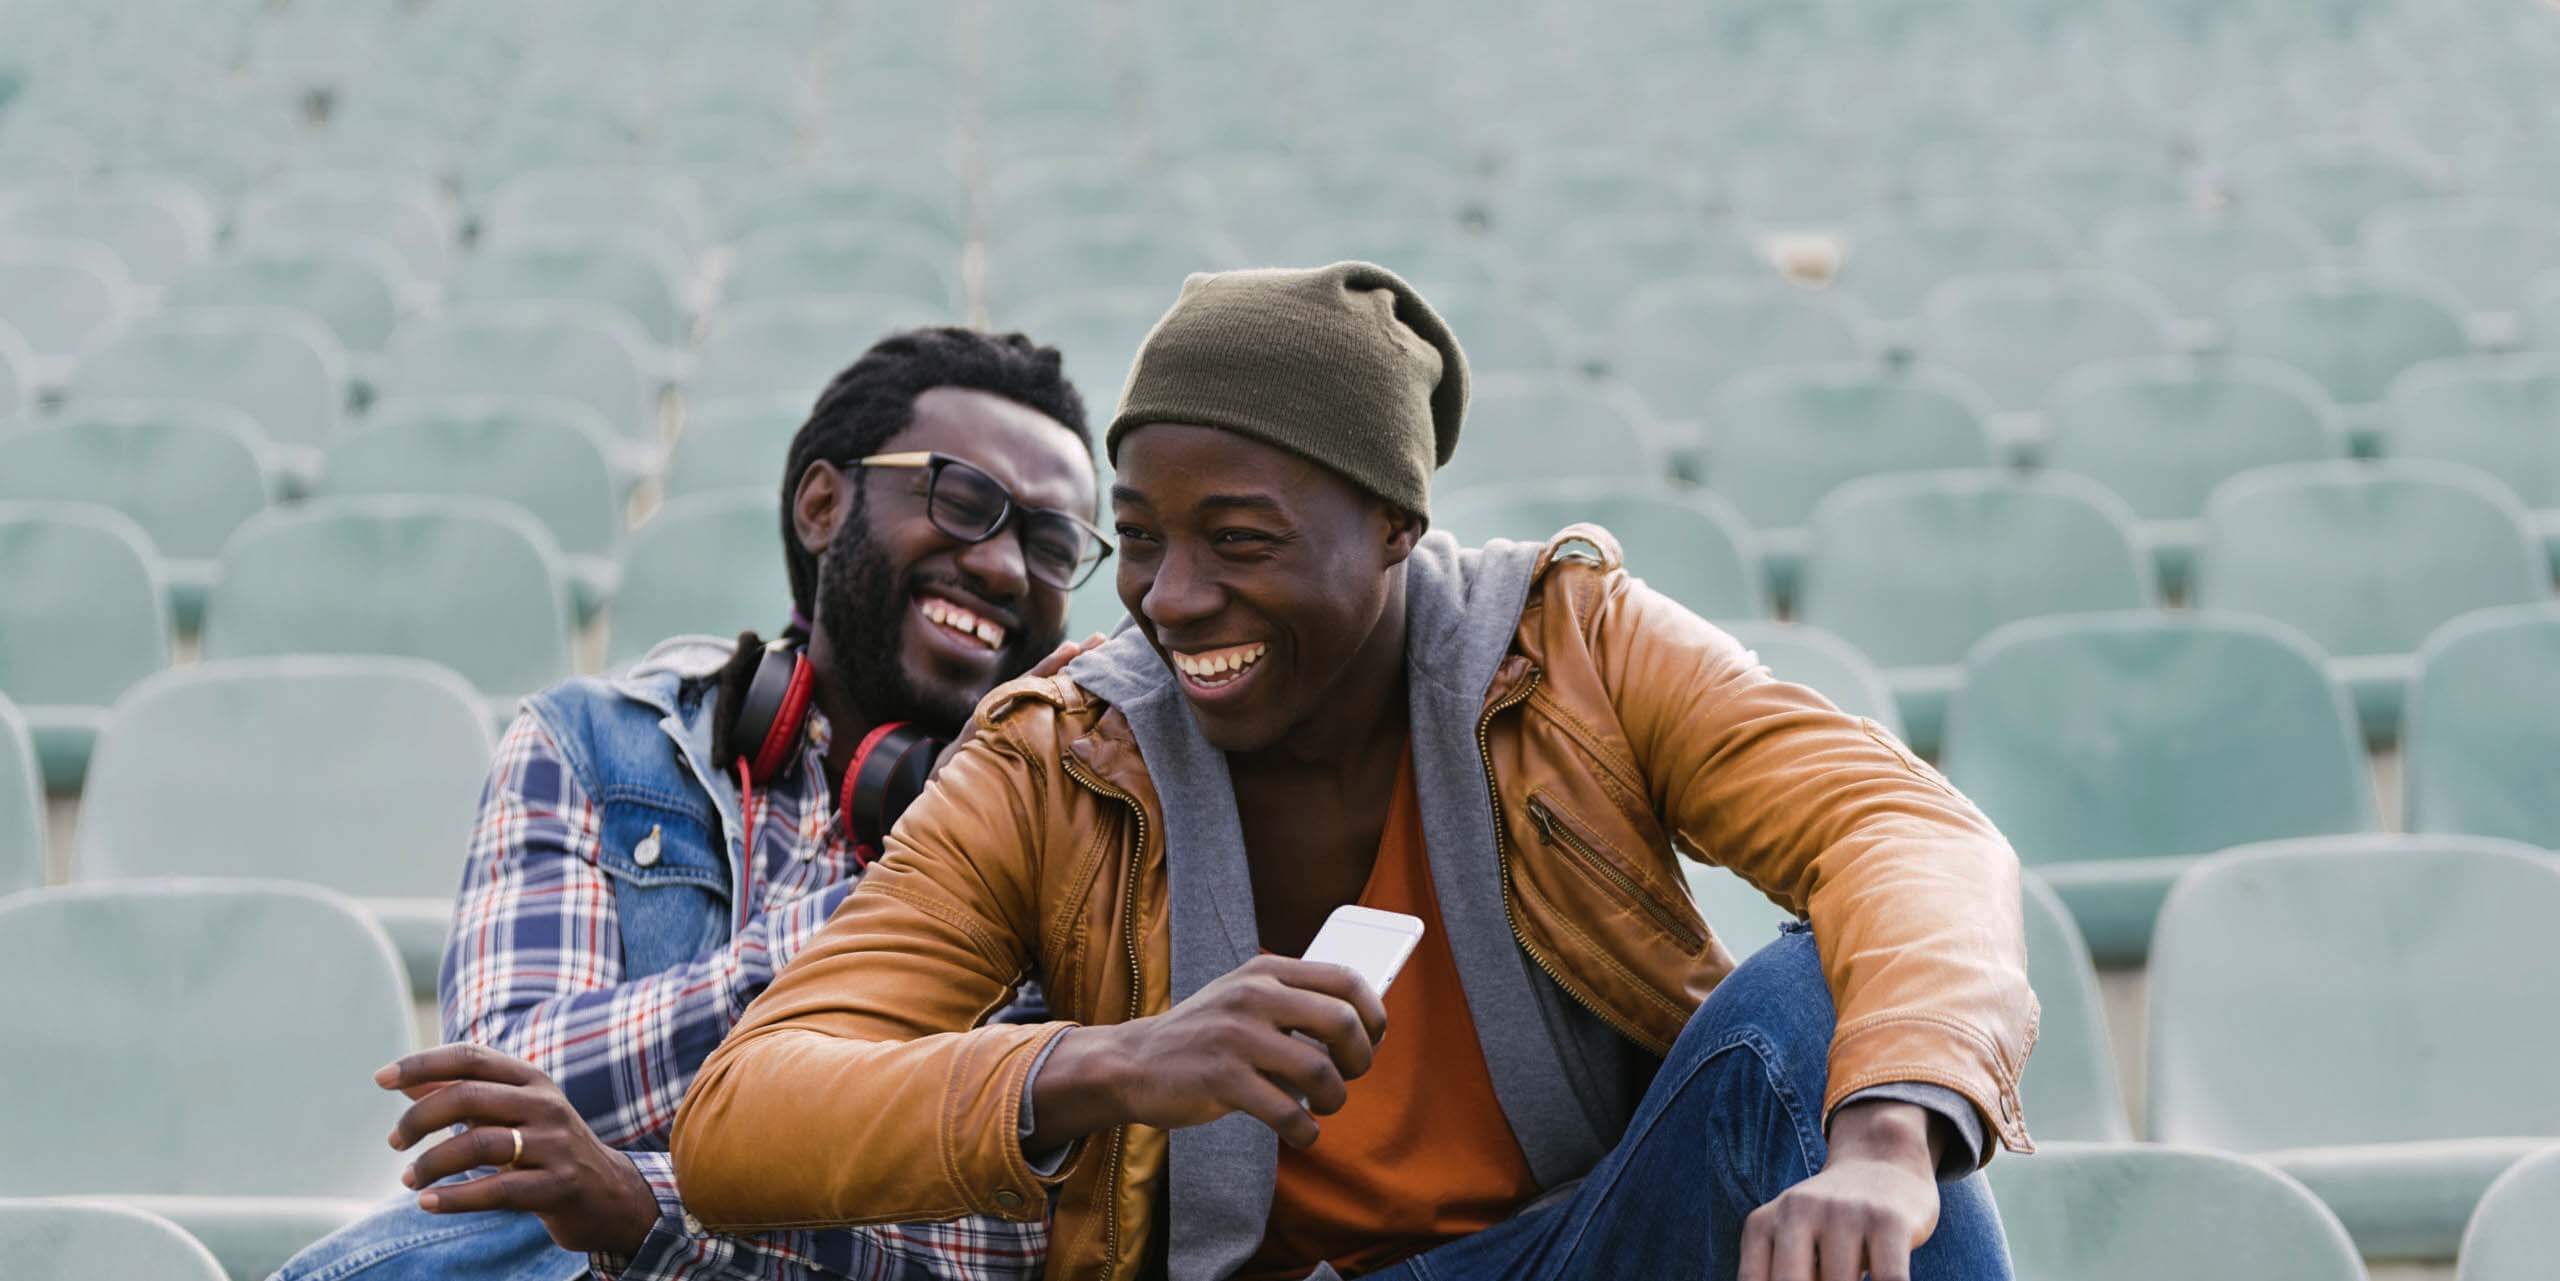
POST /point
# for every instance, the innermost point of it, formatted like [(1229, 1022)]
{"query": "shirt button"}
[(646, 852), (692, 1226), (1008, 1199)]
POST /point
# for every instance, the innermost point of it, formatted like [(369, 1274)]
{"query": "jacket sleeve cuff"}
[(670, 1248), (1965, 1150), (1050, 1166), (1906, 1050)]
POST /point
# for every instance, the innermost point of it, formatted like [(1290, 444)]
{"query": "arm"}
[(534, 969)]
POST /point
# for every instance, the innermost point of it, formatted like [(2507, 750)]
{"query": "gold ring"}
[(518, 1136)]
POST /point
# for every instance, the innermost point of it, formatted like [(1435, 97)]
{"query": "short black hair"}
[(875, 398)]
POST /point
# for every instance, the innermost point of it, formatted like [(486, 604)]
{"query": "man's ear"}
[(1404, 529), (819, 506)]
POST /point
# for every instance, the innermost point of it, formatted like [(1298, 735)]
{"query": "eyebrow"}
[(1247, 502)]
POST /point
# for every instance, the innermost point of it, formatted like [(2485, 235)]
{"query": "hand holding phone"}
[(1368, 942)]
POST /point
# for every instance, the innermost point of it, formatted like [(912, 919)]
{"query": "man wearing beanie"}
[(1320, 704)]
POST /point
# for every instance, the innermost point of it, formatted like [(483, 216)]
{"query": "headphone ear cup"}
[(889, 771), (776, 704)]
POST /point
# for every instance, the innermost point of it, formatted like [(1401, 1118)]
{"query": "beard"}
[(862, 602)]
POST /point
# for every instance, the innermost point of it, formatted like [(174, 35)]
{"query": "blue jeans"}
[(400, 1242), (1733, 1118)]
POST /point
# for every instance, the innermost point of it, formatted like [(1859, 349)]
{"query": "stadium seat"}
[(2513, 1235), (2366, 559), (2162, 433), (1687, 544), (2542, 313), (587, 199), (1550, 190), (62, 296), (1810, 656), (1079, 254), (707, 565), (1681, 340), (85, 615), (796, 346), (203, 1050), (1913, 569), (577, 352), (2485, 253), (628, 273), (2351, 333), (401, 212), (2334, 184), (2145, 1212), (549, 457), (1776, 441), (2347, 1010), (2192, 257), (1422, 250), (2484, 726), (2069, 1089), (2112, 750), (1810, 182), (1583, 273), (1099, 333), (187, 781), (188, 474), (352, 289), (22, 817), (735, 444), (473, 584), (1526, 429), (17, 379), (2495, 413), (2086, 183), (801, 260), (280, 368), (825, 196), (55, 1240), (155, 226), (2017, 336), (1892, 264), (1499, 335)]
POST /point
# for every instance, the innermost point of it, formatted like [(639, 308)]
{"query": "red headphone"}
[(889, 766)]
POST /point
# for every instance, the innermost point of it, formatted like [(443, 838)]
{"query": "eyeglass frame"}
[(932, 464)]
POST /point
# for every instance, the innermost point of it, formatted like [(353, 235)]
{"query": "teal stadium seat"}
[(2069, 1089), (188, 474), (2145, 1212), (402, 212), (22, 818), (1499, 334), (203, 1050), (1098, 334), (2086, 183), (550, 457), (86, 614), (1419, 249), (1682, 340), (1809, 656), (2334, 184), (1686, 544), (467, 582), (831, 195), (62, 296), (801, 260), (2484, 727), (2017, 336), (17, 379), (629, 273), (2346, 1010), (2486, 253), (2113, 750), (352, 289), (707, 565), (1893, 263), (2192, 257), (2366, 559), (1552, 189), (185, 782), (735, 444), (1077, 254), (2513, 1236), (2542, 313), (1530, 429), (1913, 569), (281, 368), (155, 226), (578, 352), (51, 1240), (2352, 334), (796, 346), (1776, 441), (2162, 433), (588, 199), (2496, 413), (1587, 270)]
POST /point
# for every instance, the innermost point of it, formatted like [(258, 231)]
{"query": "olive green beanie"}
[(1345, 366)]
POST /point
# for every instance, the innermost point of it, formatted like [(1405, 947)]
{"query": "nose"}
[(1181, 593), (996, 567)]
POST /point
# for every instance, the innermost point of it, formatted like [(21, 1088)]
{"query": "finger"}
[(1269, 1104), (1329, 1020), (517, 1189), (1096, 640), (1057, 660), (1842, 1243), (1888, 1255), (470, 1103), (1759, 1234), (478, 1146), (423, 1089), (460, 1061), (1303, 1069), (1338, 982), (1791, 1249)]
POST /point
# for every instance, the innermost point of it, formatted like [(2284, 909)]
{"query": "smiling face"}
[(1261, 578), (912, 623)]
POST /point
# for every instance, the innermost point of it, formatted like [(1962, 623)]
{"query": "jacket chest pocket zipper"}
[(1555, 834)]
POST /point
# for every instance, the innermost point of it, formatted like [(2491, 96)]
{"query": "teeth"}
[(991, 634), (986, 632), (1218, 664)]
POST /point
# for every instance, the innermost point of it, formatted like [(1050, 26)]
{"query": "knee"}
[(1777, 1003)]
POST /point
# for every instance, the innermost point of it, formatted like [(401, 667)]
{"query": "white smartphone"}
[(1367, 942)]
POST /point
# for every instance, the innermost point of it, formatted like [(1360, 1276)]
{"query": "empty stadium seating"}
[(799, 260), (1098, 334), (401, 212), (2512, 1237), (795, 345), (2484, 726), (2347, 1009), (707, 565), (2332, 183), (628, 273), (1686, 544), (1680, 340), (76, 1240), (21, 804), (280, 367), (2127, 1212), (85, 615), (351, 288), (2112, 750), (2492, 413), (2016, 336), (735, 444), (2351, 333), (2486, 253), (2193, 257), (1526, 429), (1893, 264), (61, 295), (2069, 1086), (156, 227), (580, 352), (659, 204), (1807, 655)]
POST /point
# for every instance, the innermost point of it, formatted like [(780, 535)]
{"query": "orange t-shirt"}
[(1421, 1154)]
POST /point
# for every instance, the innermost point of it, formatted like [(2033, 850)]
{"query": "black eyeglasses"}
[(969, 505)]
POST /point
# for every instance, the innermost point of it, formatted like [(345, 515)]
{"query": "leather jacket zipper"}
[(1557, 834), (1129, 944)]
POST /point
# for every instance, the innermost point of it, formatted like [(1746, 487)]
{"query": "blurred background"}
[(2148, 408)]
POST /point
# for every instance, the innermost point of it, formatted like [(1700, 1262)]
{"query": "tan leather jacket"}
[(1618, 728)]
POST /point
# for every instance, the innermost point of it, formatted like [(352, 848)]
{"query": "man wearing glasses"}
[(641, 869)]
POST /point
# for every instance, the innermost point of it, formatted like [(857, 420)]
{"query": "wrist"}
[(1082, 1087), (1888, 1131), (637, 1211)]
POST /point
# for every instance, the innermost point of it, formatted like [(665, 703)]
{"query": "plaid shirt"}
[(534, 969)]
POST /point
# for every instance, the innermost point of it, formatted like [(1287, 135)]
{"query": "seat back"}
[(2191, 257), (1893, 264), (402, 212), (2069, 1086), (1778, 440), (802, 260), (22, 817), (1500, 335), (156, 227), (2513, 1234), (469, 583), (659, 203), (734, 444), (278, 367), (2486, 253), (628, 273), (280, 768), (2334, 184), (2344, 991), (1688, 545), (2163, 433), (46, 1240), (2367, 558), (823, 195), (2016, 336), (182, 1024), (1802, 654), (1102, 252), (2145, 734), (577, 352), (1528, 429), (85, 613), (2495, 413), (61, 295), (2484, 727), (188, 474), (2351, 334), (2138, 1212), (711, 564), (549, 457), (1679, 341), (796, 346), (350, 288), (1099, 334)]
